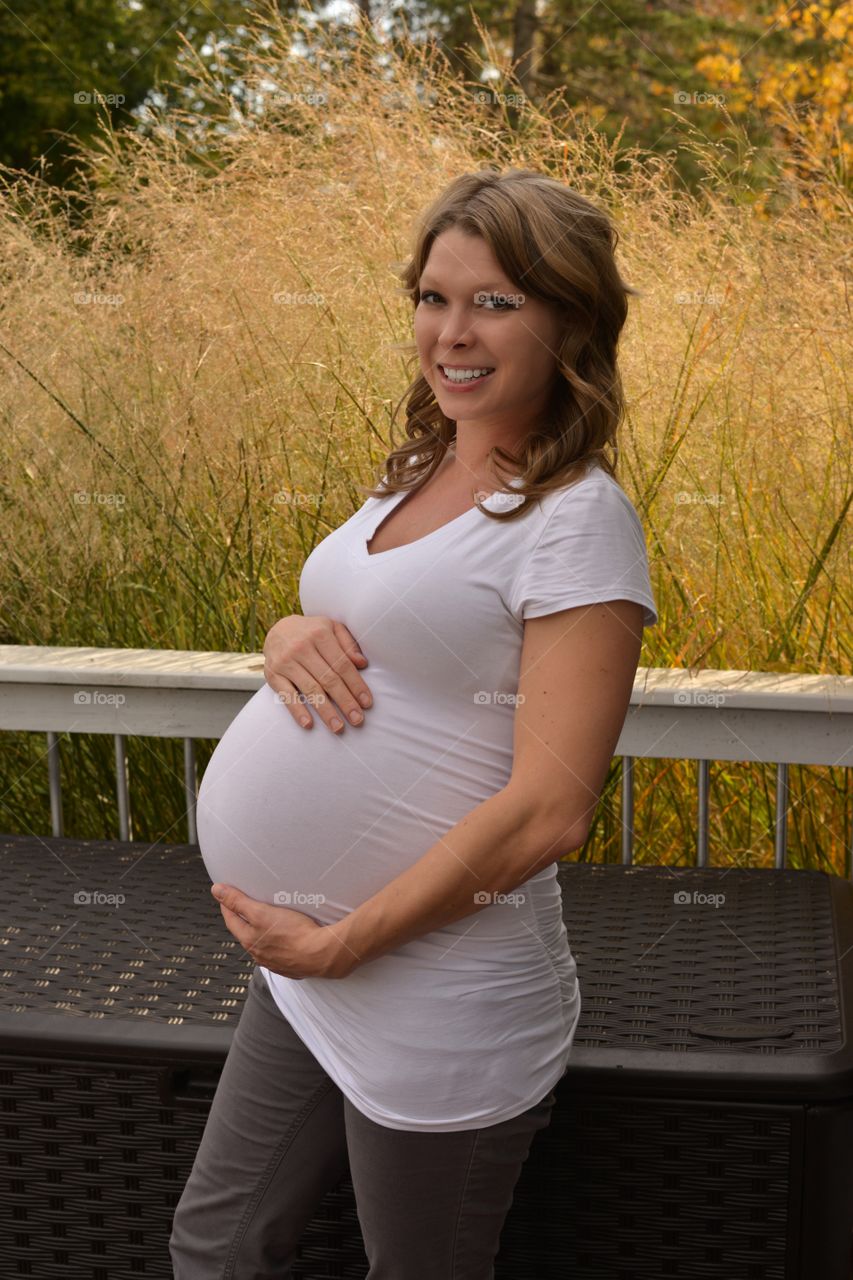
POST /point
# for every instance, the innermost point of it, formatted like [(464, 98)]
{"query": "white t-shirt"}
[(473, 1023)]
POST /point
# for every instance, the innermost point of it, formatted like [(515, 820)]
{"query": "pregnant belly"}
[(321, 822)]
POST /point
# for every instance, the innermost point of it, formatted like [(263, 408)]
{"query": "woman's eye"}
[(503, 304)]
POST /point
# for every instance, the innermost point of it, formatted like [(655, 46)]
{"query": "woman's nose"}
[(456, 328)]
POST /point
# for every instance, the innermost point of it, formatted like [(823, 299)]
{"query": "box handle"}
[(188, 1085)]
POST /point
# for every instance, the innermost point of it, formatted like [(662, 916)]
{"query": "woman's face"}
[(470, 316)]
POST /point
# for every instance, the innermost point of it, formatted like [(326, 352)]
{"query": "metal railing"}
[(702, 715)]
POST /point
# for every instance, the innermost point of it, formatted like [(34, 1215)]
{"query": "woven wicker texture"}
[(152, 945), (95, 1152), (651, 968)]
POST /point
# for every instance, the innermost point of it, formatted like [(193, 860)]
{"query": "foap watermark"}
[(286, 898), (685, 497), (86, 97), (316, 98), (699, 298), (96, 898), (681, 98), (85, 499), (91, 298), (683, 898), (496, 99), (699, 698), (504, 299), (313, 699), (95, 698), (487, 697), (287, 497), (498, 499), (288, 299), (483, 899)]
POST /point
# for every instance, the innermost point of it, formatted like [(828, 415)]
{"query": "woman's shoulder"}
[(596, 488), (593, 484)]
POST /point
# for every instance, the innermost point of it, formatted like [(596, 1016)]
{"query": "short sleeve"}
[(591, 550)]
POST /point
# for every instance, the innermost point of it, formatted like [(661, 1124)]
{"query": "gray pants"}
[(280, 1134)]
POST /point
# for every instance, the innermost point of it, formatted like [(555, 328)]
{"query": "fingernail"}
[(337, 724), (364, 699)]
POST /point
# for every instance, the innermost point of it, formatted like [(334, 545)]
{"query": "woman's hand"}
[(306, 659), (286, 941)]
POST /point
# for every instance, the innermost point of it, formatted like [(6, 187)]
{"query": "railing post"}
[(122, 788), (627, 810), (781, 831), (190, 788), (702, 813), (55, 783)]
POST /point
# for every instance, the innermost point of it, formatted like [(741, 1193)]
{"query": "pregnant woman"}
[(414, 999)]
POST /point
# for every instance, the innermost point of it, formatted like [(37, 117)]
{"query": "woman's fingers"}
[(312, 662)]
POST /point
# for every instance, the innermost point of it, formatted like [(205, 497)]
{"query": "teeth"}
[(467, 375)]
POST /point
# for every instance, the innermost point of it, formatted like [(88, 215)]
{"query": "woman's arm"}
[(577, 672), (496, 847)]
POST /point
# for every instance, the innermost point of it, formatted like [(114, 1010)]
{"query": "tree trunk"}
[(525, 25)]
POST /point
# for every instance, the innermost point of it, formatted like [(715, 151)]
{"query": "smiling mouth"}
[(465, 377)]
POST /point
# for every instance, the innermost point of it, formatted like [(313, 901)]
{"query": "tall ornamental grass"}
[(200, 357)]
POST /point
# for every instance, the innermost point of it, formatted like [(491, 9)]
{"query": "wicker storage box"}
[(704, 1127)]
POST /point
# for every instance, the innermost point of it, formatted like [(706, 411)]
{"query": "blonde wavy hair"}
[(557, 246)]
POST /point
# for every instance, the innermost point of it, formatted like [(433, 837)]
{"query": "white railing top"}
[(700, 714), (191, 669), (163, 668)]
